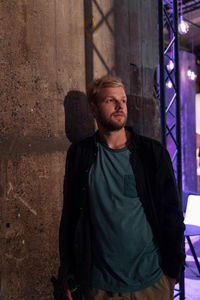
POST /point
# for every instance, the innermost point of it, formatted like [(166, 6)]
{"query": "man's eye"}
[(109, 100), (124, 100)]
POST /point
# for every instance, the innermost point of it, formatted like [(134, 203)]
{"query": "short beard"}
[(109, 125)]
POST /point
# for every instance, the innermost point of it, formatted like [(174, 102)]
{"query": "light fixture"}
[(191, 74), (169, 84), (183, 26), (170, 65)]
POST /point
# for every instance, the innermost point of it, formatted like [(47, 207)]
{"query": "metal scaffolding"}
[(169, 94)]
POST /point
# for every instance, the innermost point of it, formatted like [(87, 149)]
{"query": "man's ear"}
[(93, 109)]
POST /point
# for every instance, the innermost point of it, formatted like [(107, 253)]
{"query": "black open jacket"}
[(156, 187)]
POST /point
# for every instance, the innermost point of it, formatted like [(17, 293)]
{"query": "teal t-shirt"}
[(125, 256)]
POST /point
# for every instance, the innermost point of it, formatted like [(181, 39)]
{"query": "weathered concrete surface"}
[(37, 65), (46, 60), (136, 63), (38, 68), (126, 46), (31, 209)]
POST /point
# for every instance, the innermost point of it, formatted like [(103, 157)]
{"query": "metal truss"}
[(90, 46), (187, 5), (168, 74), (169, 84)]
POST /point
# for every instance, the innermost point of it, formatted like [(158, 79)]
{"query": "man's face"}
[(110, 111)]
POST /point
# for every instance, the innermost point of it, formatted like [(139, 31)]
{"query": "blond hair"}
[(96, 85)]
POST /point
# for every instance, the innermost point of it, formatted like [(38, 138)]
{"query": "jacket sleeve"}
[(172, 235), (68, 218)]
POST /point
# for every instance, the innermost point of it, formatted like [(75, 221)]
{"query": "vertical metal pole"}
[(162, 73), (88, 45), (178, 127), (178, 118)]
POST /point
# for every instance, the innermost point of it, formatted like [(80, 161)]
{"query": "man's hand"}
[(67, 291)]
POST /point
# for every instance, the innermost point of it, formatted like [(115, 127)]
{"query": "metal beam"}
[(170, 100)]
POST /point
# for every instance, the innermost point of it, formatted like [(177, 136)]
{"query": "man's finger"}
[(68, 294)]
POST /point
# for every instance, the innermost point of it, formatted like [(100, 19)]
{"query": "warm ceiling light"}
[(191, 74), (170, 65), (169, 84), (183, 26)]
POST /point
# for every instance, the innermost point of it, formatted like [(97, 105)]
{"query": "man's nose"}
[(118, 104)]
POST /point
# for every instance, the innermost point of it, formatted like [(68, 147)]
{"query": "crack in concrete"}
[(28, 206), (16, 197)]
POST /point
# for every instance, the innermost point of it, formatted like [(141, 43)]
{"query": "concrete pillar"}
[(46, 61), (42, 59), (126, 46), (137, 58)]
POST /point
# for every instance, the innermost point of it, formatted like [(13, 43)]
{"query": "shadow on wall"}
[(79, 123)]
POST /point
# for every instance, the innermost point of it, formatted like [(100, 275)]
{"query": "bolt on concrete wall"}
[(50, 50)]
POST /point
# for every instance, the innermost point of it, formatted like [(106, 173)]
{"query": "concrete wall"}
[(46, 60)]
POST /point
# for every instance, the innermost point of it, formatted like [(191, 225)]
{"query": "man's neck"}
[(115, 139)]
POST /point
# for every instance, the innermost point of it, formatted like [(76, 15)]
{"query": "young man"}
[(121, 231)]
